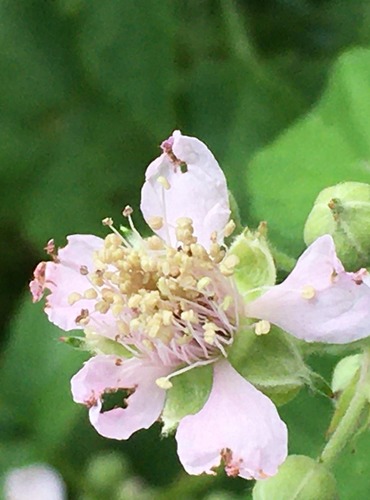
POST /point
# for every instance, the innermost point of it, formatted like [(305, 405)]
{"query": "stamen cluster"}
[(178, 304)]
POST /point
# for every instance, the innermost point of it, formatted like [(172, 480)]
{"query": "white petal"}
[(318, 301), (200, 193), (239, 424)]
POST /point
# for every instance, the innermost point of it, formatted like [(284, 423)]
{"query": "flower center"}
[(180, 304)]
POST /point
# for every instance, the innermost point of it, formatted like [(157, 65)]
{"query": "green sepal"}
[(187, 396), (318, 384), (256, 266), (271, 362), (97, 344)]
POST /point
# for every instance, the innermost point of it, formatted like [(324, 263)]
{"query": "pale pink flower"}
[(170, 302)]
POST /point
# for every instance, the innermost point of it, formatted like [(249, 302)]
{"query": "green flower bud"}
[(301, 478), (343, 211), (256, 266), (345, 371)]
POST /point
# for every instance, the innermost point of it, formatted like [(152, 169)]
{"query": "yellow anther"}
[(155, 222), (155, 243), (123, 327), (73, 298), (228, 264), (308, 292), (229, 228), (112, 240), (91, 293), (117, 254), (148, 344), (184, 222), (96, 279), (135, 324), (163, 383), (134, 301), (163, 287), (210, 330), (117, 309), (199, 251), (214, 236), (203, 283), (163, 181), (102, 306), (187, 281), (167, 318), (108, 295), (190, 316), (165, 266), (262, 327), (226, 303)]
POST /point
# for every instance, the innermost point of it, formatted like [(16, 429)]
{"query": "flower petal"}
[(63, 277), (318, 301), (144, 400), (238, 424), (200, 193)]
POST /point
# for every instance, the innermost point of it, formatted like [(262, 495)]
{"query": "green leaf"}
[(125, 45), (35, 374), (332, 144)]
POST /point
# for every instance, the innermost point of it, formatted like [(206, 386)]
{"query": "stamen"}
[(229, 228), (155, 222), (262, 327), (73, 298), (308, 292), (163, 181), (164, 382)]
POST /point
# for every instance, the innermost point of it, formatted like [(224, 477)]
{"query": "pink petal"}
[(318, 301), (64, 277), (238, 424), (103, 374), (200, 193)]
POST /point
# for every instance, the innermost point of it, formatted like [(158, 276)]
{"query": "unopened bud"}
[(301, 478), (343, 211)]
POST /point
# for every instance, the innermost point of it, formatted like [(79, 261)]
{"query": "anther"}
[(163, 383), (262, 327), (163, 182), (155, 222), (91, 293), (127, 211), (229, 228), (108, 221), (73, 298), (308, 292)]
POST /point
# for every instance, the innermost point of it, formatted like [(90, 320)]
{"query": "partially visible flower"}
[(34, 482), (171, 304)]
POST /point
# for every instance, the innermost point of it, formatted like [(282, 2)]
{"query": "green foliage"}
[(331, 144)]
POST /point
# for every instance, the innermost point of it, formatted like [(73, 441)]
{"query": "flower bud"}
[(104, 471), (256, 266), (345, 371), (301, 478), (343, 211)]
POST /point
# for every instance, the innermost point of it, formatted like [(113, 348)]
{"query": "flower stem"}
[(350, 421)]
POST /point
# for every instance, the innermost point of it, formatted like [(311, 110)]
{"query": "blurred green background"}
[(278, 89)]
